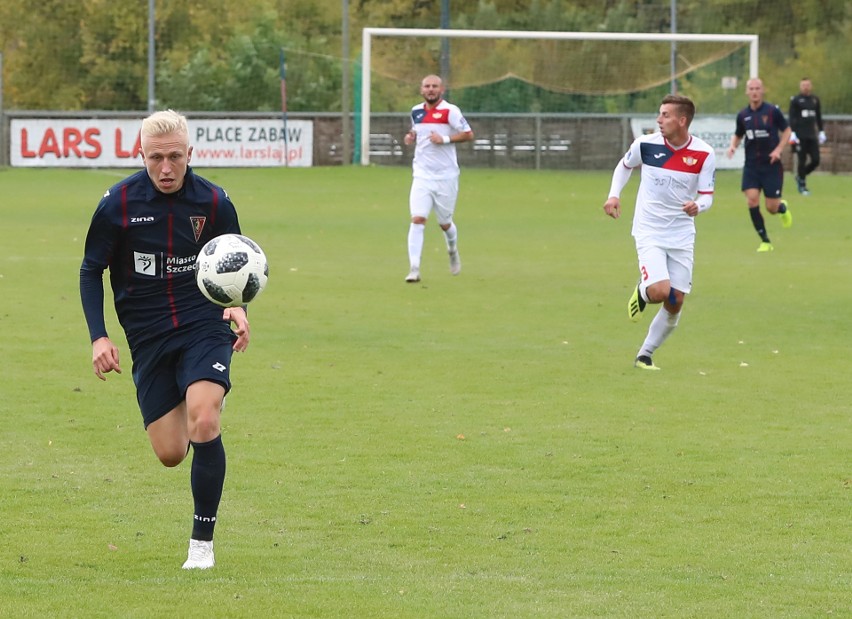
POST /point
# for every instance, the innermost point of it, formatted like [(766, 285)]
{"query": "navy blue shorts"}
[(163, 369), (768, 177)]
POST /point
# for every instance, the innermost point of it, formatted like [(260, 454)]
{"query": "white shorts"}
[(657, 264), (440, 195)]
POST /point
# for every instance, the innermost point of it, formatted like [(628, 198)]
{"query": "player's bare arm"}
[(237, 315), (409, 138), (735, 142), (437, 138), (775, 155), (104, 357), (612, 207)]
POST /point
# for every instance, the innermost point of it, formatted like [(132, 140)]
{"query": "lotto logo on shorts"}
[(219, 367)]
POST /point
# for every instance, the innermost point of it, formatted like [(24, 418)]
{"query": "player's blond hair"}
[(163, 123)]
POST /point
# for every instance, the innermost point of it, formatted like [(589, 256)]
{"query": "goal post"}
[(368, 34)]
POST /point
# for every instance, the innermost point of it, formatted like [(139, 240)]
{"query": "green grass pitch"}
[(472, 446)]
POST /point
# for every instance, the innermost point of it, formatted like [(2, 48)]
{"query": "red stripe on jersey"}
[(124, 223), (686, 160), (169, 283), (436, 116), (124, 206), (214, 208)]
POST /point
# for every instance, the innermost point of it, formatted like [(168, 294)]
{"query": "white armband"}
[(704, 201), (446, 139)]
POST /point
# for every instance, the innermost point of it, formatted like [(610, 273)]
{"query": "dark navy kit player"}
[(147, 231), (765, 131), (808, 132)]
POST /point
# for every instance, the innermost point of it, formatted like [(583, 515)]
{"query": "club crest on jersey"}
[(197, 226), (145, 263), (690, 161)]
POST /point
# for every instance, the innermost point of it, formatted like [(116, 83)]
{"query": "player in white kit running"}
[(678, 175), (436, 127)]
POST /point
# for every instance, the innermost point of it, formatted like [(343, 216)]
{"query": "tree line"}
[(223, 55)]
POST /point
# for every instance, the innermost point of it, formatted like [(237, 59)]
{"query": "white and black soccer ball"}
[(231, 270)]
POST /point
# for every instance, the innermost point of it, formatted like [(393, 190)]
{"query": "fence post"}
[(538, 142), (4, 146)]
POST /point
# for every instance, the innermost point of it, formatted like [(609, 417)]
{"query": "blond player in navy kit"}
[(678, 176), (436, 127), (147, 231)]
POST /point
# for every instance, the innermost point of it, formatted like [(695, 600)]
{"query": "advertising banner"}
[(114, 143)]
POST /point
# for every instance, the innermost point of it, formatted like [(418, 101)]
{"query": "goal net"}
[(516, 72)]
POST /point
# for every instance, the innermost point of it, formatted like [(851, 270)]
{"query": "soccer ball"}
[(231, 270)]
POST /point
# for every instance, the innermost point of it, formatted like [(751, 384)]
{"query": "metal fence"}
[(525, 141)]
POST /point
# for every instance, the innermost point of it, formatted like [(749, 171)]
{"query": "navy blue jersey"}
[(762, 129), (149, 242)]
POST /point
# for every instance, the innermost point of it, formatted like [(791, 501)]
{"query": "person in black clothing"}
[(808, 134), (147, 230)]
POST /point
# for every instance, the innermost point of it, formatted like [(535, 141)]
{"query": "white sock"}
[(643, 292), (660, 329), (415, 244), (452, 236)]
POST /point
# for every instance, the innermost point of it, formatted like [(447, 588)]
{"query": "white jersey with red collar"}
[(670, 178), (436, 161)]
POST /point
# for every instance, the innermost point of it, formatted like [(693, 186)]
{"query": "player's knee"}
[(674, 302), (655, 297), (418, 220), (171, 456), (204, 426), (658, 292), (171, 461)]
